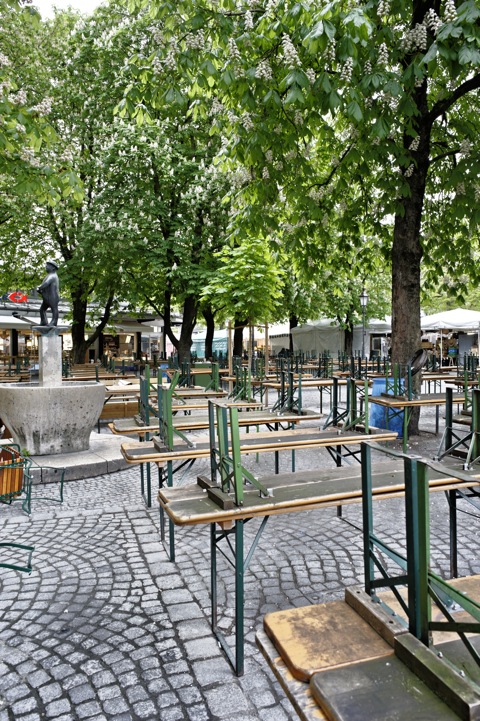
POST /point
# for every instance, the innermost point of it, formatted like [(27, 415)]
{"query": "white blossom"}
[(347, 70), (330, 52), (170, 62), (29, 157), (271, 6), (415, 39), (248, 20), (450, 13), (4, 61), (432, 21), (157, 65), (289, 53), (367, 68), (477, 193), (66, 156), (316, 193), (414, 144), (233, 50), (247, 121), (298, 117), (310, 73), (461, 188), (383, 8), (217, 107), (195, 41), (265, 174), (157, 35), (264, 71), (465, 147), (269, 156), (19, 98), (383, 54), (409, 171), (44, 107)]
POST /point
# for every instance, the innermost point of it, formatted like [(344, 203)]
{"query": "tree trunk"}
[(210, 322), (189, 318), (79, 315), (80, 344), (349, 339), (238, 337), (406, 264), (293, 323)]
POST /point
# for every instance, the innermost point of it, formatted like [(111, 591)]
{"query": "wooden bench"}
[(342, 662), (286, 493), (350, 660)]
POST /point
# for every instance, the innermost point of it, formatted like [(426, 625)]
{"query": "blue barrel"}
[(164, 367), (377, 414)]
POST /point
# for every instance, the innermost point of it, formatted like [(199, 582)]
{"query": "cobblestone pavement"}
[(106, 628)]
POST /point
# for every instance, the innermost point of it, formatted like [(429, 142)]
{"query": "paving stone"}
[(135, 641), (224, 703), (80, 694), (115, 706)]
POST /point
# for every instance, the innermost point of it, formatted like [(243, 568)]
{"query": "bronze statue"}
[(50, 295)]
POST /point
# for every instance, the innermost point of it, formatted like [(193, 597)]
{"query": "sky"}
[(46, 6)]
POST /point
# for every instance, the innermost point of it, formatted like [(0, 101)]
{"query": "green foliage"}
[(25, 106), (246, 283), (353, 115), (144, 231)]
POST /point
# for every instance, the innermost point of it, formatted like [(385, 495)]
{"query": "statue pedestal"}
[(49, 354)]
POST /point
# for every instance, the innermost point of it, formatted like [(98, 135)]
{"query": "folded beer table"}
[(239, 497)]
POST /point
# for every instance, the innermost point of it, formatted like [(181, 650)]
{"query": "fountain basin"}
[(53, 419)]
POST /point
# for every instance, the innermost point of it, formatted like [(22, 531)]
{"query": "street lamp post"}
[(363, 303)]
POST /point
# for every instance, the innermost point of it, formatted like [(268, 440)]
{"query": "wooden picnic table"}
[(395, 405), (290, 493), (201, 422), (102, 377)]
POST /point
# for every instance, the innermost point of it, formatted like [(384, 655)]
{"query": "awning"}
[(134, 328), (8, 322)]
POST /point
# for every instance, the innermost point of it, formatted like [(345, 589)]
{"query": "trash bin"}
[(163, 367), (378, 414)]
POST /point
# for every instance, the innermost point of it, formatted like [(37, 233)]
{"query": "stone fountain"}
[(52, 416)]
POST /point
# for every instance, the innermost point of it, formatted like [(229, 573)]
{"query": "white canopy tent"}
[(458, 320), (453, 320), (318, 336), (326, 335)]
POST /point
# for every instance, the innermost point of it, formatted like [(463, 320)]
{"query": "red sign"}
[(17, 297)]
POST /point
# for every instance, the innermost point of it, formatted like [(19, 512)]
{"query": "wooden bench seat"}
[(119, 409), (351, 660), (268, 442), (292, 492)]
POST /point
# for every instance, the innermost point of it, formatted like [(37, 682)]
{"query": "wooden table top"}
[(302, 490), (313, 383), (247, 417), (430, 399), (289, 440)]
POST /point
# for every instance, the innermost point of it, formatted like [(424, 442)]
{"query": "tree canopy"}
[(361, 115)]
